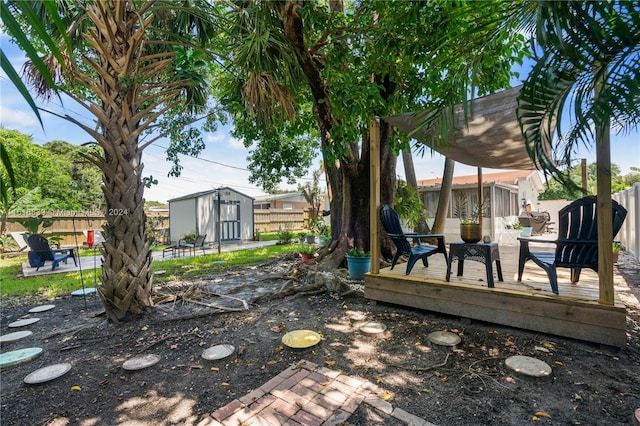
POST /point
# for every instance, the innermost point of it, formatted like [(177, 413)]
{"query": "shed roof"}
[(208, 192), (492, 139), (509, 177)]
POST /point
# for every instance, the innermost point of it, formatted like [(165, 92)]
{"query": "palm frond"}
[(585, 44)]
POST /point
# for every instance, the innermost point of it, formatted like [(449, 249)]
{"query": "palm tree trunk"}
[(126, 271)]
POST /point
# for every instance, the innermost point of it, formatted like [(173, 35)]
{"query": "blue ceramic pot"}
[(358, 266)]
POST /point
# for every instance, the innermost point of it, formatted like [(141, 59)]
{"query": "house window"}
[(287, 206)]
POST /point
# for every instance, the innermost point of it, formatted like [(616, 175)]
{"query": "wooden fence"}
[(274, 220), (71, 224)]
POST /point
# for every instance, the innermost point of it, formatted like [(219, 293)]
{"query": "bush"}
[(285, 237)]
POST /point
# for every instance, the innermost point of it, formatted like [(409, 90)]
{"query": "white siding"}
[(182, 218)]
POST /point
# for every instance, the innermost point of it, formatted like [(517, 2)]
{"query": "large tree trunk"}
[(410, 175), (445, 196), (348, 177)]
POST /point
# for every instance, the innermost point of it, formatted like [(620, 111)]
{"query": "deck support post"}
[(374, 195)]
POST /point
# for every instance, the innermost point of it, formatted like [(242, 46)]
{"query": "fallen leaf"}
[(324, 384), (426, 391), (559, 363), (272, 362), (548, 345), (215, 369), (278, 328), (224, 384), (104, 382), (535, 419), (542, 414), (330, 363), (279, 348), (444, 379), (75, 388), (386, 396)]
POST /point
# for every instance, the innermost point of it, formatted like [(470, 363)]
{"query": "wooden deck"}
[(529, 304)]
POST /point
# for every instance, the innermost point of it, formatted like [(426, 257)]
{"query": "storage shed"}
[(207, 212)]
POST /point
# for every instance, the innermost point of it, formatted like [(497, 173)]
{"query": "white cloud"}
[(214, 138), (17, 120), (237, 144)]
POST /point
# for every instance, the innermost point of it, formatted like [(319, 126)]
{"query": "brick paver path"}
[(309, 395)]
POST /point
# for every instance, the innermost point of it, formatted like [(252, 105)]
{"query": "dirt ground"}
[(465, 385)]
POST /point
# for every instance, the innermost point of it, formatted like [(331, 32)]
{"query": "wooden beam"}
[(374, 195), (480, 196), (604, 211)]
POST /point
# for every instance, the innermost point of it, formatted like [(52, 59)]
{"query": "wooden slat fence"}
[(65, 221)]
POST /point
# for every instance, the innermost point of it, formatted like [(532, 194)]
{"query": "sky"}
[(224, 160)]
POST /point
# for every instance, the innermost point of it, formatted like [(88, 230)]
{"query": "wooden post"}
[(583, 168), (480, 196), (374, 195), (604, 211)]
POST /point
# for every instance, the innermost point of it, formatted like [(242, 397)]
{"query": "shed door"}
[(230, 217)]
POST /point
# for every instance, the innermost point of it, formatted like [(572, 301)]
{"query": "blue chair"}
[(391, 223), (42, 252), (577, 243)]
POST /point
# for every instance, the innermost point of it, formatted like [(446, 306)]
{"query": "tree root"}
[(414, 368), (304, 290)]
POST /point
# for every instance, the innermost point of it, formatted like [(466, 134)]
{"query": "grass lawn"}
[(12, 284)]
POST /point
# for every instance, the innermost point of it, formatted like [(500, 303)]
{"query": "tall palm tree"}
[(129, 64)]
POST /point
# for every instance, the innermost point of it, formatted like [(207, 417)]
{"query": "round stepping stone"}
[(301, 339), (46, 374), (218, 352), (372, 327), (42, 308), (528, 366), (140, 362), (444, 338), (357, 316), (23, 322), (83, 291), (14, 337), (19, 356)]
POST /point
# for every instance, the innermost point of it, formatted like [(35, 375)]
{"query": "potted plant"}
[(325, 235), (616, 251), (358, 263), (306, 252), (189, 238), (470, 228)]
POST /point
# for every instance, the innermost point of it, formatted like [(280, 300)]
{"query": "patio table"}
[(486, 253)]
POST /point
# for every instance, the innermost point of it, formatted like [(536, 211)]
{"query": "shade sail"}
[(493, 138)]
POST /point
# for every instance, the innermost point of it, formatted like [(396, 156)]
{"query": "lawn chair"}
[(41, 252), (198, 243), (577, 243), (391, 223), (173, 248)]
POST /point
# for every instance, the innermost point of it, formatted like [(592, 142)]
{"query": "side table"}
[(486, 253)]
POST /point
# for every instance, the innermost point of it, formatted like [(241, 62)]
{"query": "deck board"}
[(529, 304)]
